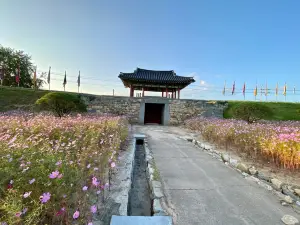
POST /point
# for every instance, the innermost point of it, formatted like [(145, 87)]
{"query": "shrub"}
[(251, 111), (61, 103)]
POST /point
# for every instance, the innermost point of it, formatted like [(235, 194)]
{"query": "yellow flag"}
[(284, 90), (255, 91)]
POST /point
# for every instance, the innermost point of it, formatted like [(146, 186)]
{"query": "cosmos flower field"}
[(275, 142), (55, 171)]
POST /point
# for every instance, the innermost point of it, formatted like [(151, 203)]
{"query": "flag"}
[(1, 74), (276, 90), (255, 91), (78, 79), (266, 93), (284, 90), (34, 77), (223, 92), (233, 87), (18, 74), (294, 91), (65, 79), (48, 79), (244, 88)]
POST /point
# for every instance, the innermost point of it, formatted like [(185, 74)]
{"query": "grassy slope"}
[(281, 110), (18, 98)]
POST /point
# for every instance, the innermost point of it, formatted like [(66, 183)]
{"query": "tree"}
[(61, 103), (10, 61), (251, 111)]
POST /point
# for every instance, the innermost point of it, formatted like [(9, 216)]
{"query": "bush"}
[(61, 103), (251, 111)]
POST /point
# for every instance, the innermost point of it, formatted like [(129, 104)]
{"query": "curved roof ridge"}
[(140, 69)]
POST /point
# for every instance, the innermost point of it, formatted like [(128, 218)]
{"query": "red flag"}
[(233, 87), (18, 75)]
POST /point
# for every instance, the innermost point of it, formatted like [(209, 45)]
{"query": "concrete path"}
[(203, 190)]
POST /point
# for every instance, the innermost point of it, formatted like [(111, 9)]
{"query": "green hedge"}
[(61, 103)]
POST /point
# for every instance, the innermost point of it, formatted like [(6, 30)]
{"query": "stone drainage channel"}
[(145, 193)]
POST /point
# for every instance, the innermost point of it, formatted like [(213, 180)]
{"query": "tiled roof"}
[(154, 76)]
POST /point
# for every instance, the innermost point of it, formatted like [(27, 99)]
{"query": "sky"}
[(256, 42)]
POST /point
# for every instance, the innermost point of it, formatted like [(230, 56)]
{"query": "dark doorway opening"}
[(154, 113)]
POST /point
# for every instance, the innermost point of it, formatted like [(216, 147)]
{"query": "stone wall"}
[(181, 110), (116, 105), (178, 110)]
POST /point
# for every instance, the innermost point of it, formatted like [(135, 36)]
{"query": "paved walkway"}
[(203, 190)]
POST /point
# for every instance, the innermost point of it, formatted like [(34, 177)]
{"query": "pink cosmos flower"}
[(27, 194), (54, 174), (84, 188), (58, 163), (113, 164), (18, 214), (95, 182), (88, 166), (90, 223), (98, 192), (93, 208), (96, 168), (32, 181), (60, 176), (76, 214), (45, 197)]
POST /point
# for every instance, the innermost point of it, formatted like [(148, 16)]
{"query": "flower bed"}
[(278, 142), (52, 169)]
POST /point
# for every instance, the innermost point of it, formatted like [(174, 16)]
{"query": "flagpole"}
[(49, 77)]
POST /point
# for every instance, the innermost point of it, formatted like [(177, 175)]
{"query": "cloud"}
[(202, 82)]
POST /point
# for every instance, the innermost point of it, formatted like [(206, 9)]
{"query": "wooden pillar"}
[(175, 94), (162, 93), (131, 91), (178, 93), (172, 94), (143, 92), (167, 92)]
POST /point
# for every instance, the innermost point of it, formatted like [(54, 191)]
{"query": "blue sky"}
[(233, 40)]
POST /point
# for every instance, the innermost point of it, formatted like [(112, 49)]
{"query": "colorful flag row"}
[(255, 92)]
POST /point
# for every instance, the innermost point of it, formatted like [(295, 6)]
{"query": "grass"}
[(18, 98), (281, 110), (156, 175)]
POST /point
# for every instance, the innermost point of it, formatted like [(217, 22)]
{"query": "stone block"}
[(157, 193), (157, 206), (242, 167), (225, 157), (277, 184), (289, 220)]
